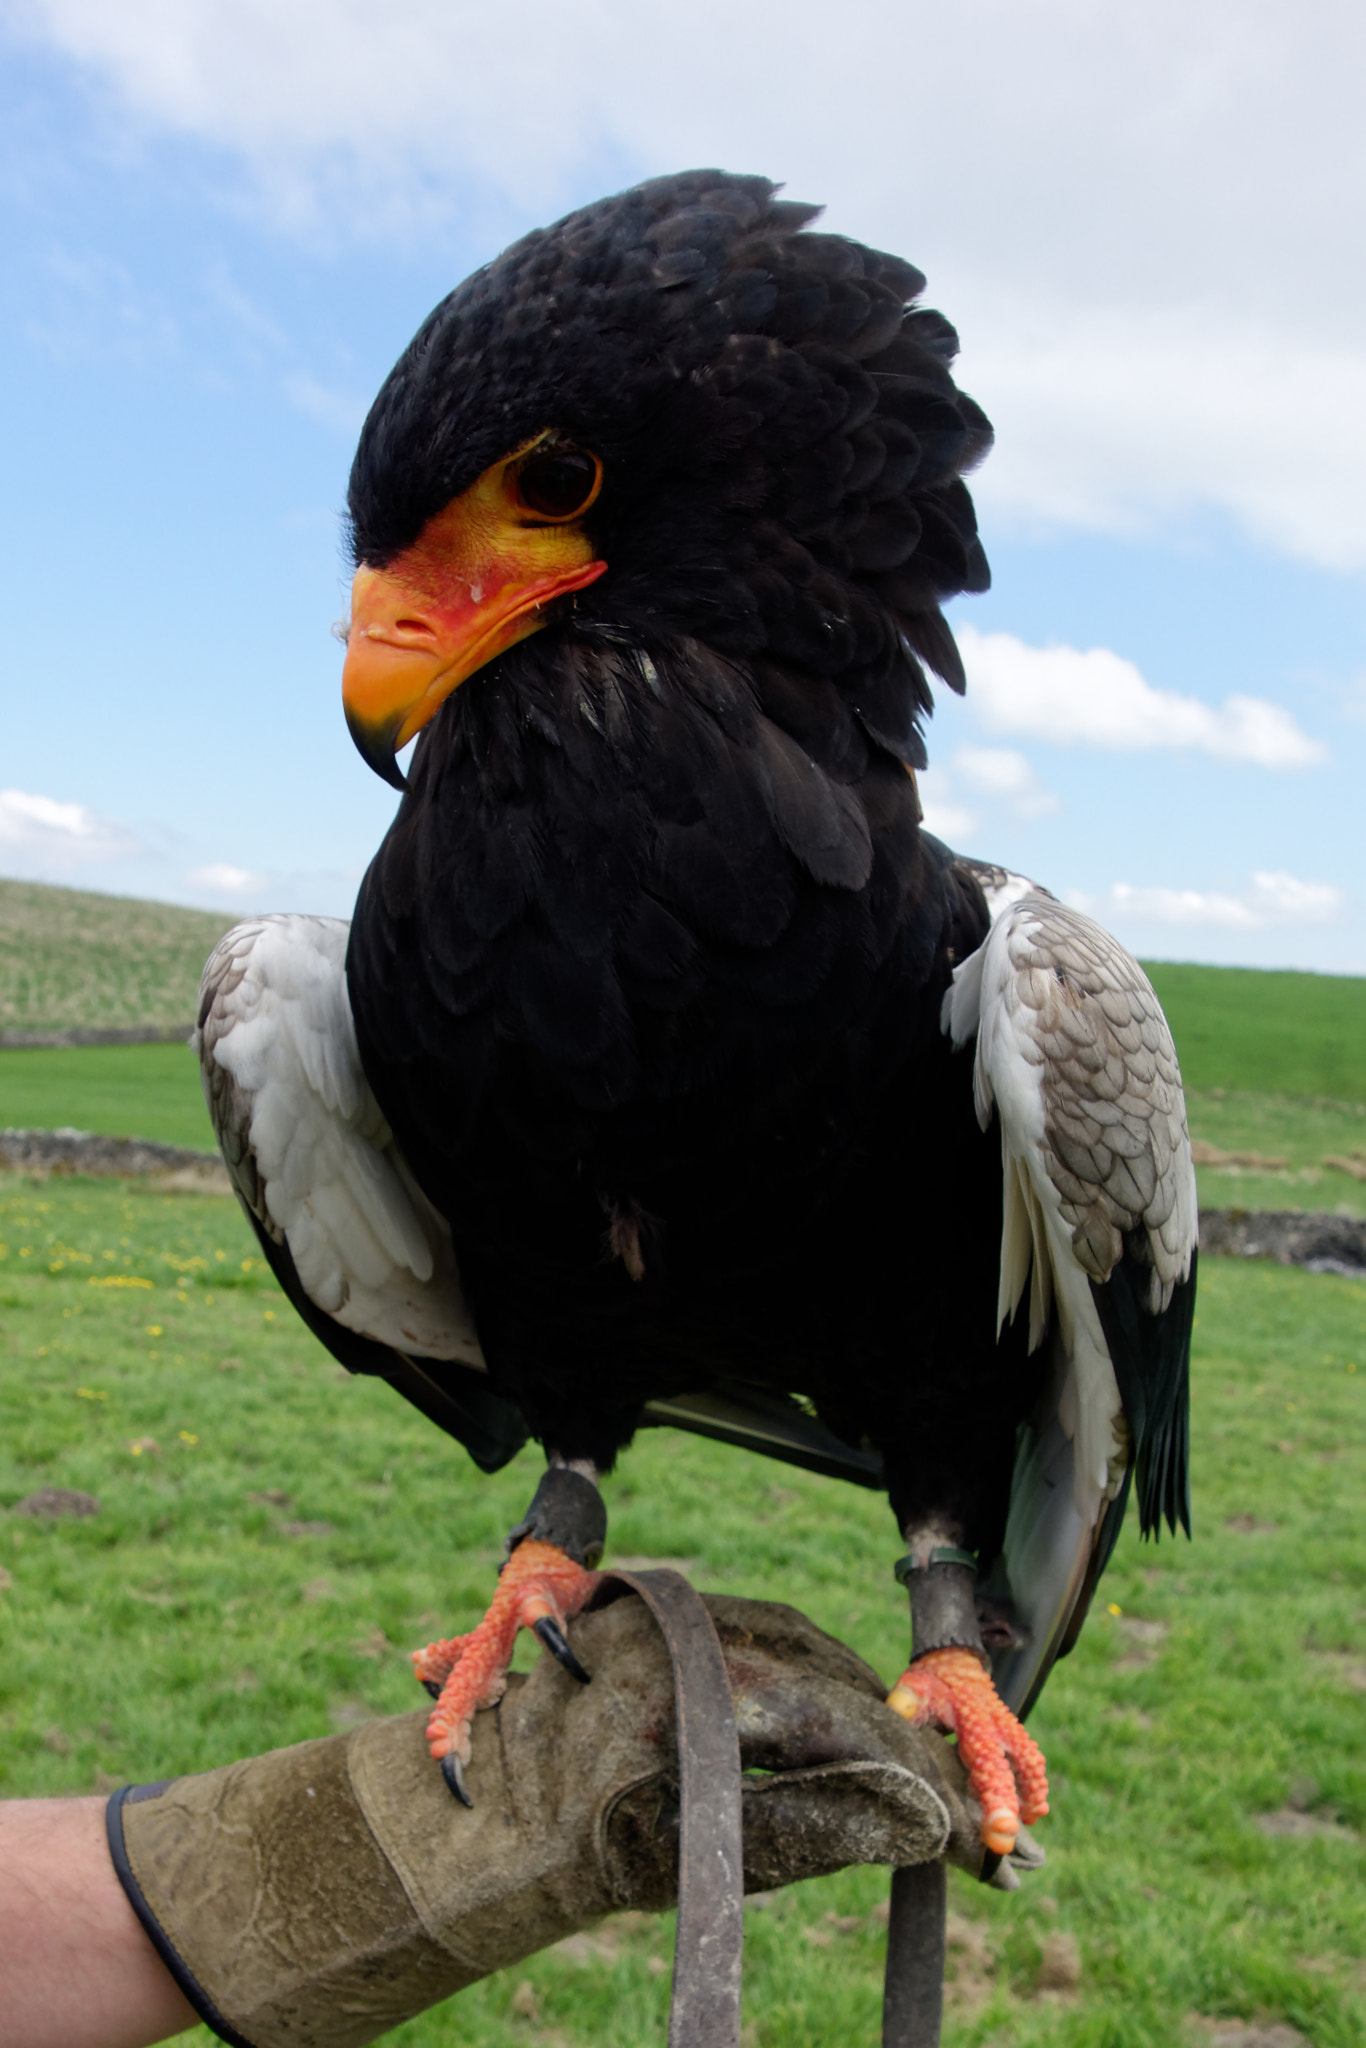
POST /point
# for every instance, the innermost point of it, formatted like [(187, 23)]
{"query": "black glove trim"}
[(123, 1870)]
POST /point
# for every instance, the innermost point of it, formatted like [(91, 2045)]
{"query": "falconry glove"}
[(320, 1895)]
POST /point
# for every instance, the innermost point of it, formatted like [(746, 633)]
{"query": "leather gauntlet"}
[(318, 1896)]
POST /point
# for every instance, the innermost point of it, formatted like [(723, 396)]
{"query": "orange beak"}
[(475, 582)]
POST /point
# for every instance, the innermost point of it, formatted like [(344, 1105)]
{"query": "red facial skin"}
[(476, 580)]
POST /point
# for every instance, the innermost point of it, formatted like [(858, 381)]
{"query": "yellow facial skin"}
[(474, 582)]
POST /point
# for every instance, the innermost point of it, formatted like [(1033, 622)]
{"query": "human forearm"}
[(76, 1969)]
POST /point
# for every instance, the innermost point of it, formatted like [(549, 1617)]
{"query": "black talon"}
[(429, 1685), (455, 1777), (553, 1636)]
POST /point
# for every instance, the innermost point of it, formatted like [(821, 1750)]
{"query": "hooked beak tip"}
[(376, 748)]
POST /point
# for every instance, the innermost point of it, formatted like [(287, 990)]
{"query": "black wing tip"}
[(1151, 1359)]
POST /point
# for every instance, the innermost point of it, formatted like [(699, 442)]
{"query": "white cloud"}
[(44, 839), (1158, 311), (1001, 773), (1005, 779), (1270, 899), (41, 837), (948, 821), (941, 811), (220, 878), (1125, 418), (1097, 698)]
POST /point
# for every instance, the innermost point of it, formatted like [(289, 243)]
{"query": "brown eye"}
[(558, 483)]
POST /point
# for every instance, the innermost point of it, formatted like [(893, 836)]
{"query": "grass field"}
[(72, 958), (1288, 1152), (1266, 1034), (142, 1091), (1275, 1074), (272, 1537)]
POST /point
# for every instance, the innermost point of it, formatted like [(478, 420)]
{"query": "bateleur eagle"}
[(670, 1071)]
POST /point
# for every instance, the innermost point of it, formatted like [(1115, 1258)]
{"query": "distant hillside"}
[(1268, 1033), (71, 959)]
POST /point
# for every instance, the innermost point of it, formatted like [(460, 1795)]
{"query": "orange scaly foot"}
[(539, 1588), (1005, 1766)]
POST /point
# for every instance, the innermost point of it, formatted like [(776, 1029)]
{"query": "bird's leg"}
[(948, 1683), (549, 1575)]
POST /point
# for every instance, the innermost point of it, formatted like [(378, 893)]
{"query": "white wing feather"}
[(309, 1152), (1074, 1055)]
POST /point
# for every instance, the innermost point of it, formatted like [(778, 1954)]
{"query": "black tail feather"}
[(1151, 1357)]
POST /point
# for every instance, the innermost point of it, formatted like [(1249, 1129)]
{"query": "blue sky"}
[(224, 219)]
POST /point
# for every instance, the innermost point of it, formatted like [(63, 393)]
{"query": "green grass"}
[(1304, 1135), (128, 1091), (121, 1090), (71, 958), (1275, 1066), (1267, 1034), (183, 1626)]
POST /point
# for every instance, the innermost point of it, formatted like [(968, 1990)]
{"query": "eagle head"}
[(677, 414)]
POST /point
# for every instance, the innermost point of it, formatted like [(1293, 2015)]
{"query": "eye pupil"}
[(559, 483)]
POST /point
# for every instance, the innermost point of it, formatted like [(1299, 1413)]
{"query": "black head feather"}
[(781, 436)]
